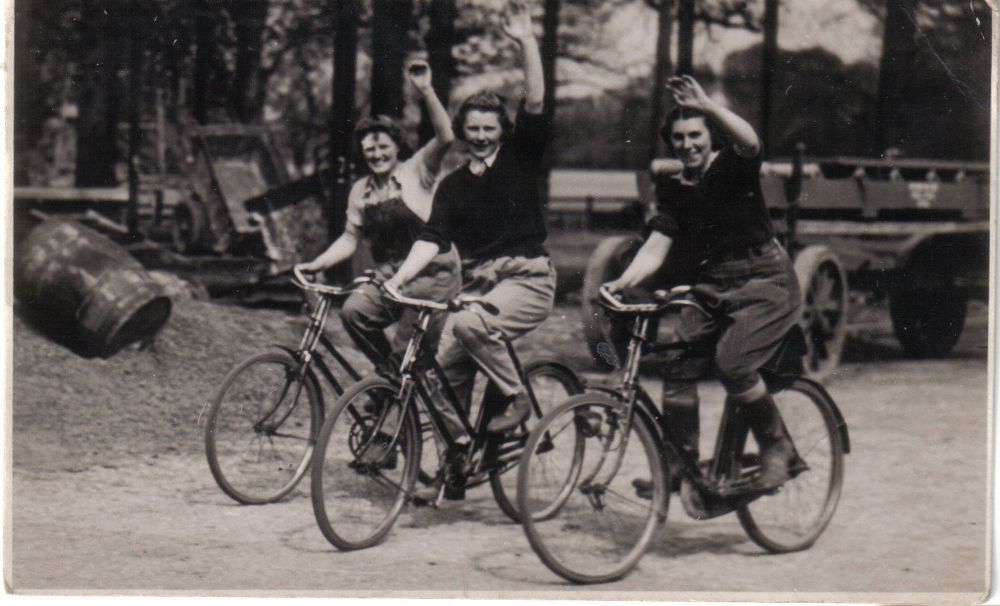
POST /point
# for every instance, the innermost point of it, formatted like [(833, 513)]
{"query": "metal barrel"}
[(73, 276)]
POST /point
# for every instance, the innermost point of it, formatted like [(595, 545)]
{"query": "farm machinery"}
[(913, 232)]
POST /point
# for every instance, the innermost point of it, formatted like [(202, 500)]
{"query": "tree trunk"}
[(204, 43), (137, 33), (661, 73), (98, 95), (549, 51), (390, 26), (247, 90), (769, 60), (29, 110), (899, 48), (685, 37), (345, 58), (440, 39)]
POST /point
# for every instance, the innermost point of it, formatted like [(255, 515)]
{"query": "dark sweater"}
[(498, 213), (724, 213)]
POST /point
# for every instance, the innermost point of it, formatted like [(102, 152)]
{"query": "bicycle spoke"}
[(256, 438)]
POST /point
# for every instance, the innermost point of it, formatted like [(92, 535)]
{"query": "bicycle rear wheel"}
[(795, 516), (357, 501), (551, 383), (261, 428), (594, 528)]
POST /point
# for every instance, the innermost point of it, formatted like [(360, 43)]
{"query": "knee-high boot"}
[(777, 452), (681, 420)]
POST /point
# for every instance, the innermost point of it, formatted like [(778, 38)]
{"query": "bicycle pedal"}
[(428, 500)]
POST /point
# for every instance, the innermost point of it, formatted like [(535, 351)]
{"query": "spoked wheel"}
[(794, 517), (824, 309), (594, 528), (261, 428), (358, 489), (551, 383)]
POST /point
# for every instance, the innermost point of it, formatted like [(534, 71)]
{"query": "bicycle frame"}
[(730, 439), (411, 380)]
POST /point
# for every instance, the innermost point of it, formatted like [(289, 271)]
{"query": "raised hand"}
[(688, 93), (517, 23), (418, 72)]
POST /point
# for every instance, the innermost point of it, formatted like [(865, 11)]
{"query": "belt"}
[(740, 253)]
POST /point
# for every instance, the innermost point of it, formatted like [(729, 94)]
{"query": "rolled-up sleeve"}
[(665, 224), (438, 229)]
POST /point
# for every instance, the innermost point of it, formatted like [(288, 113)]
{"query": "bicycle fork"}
[(590, 486)]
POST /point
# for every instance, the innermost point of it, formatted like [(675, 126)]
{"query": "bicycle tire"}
[(769, 520), (254, 463), (586, 539), (356, 505), (562, 383)]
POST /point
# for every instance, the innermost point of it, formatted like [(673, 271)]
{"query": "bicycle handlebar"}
[(662, 299), (336, 291), (453, 305)]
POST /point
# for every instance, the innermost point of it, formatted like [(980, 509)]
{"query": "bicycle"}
[(356, 501), (607, 439), (260, 434)]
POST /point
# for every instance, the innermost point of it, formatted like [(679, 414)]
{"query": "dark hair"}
[(484, 101), (680, 112), (380, 124)]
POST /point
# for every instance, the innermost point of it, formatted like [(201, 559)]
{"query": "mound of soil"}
[(72, 412)]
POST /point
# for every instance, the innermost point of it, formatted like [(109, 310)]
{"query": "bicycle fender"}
[(839, 416), (579, 384), (325, 371)]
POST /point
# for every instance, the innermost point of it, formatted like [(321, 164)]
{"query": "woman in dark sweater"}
[(713, 210), (491, 209)]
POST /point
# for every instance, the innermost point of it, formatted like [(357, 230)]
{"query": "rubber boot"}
[(776, 449), (681, 422)]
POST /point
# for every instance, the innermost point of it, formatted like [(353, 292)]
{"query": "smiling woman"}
[(491, 210), (389, 207)]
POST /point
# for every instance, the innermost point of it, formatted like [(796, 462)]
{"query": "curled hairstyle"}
[(483, 101), (380, 124), (678, 113)]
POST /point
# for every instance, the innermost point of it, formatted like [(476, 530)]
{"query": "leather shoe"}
[(454, 472), (517, 411), (775, 461)]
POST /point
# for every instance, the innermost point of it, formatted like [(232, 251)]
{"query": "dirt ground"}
[(111, 491)]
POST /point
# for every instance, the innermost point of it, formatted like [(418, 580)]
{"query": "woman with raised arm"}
[(491, 209), (389, 207), (714, 210)]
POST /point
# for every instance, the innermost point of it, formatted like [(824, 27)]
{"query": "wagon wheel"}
[(606, 263), (928, 315), (190, 230), (824, 309)]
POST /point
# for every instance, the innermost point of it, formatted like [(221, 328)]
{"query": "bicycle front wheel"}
[(358, 492), (261, 428), (795, 516), (595, 528), (551, 384)]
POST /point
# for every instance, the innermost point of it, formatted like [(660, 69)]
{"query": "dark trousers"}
[(753, 303)]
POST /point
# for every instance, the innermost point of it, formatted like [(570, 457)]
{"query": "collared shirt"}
[(478, 167), (498, 212), (411, 180)]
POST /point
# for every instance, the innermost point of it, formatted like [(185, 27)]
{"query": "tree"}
[(391, 21), (98, 93), (246, 97), (933, 94)]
